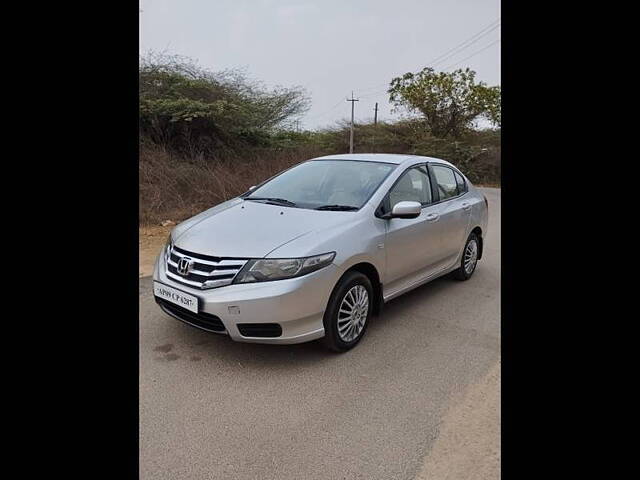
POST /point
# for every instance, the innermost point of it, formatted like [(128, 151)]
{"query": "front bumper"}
[(296, 304)]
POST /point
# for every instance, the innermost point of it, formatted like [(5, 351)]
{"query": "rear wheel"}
[(348, 312), (469, 258)]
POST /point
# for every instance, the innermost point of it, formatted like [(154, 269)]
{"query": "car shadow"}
[(400, 306), (218, 348)]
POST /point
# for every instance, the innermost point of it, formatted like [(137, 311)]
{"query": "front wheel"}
[(348, 312), (469, 258)]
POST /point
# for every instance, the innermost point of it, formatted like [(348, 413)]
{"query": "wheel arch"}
[(372, 273), (478, 232)]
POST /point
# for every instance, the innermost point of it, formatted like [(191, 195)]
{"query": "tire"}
[(465, 272), (341, 331)]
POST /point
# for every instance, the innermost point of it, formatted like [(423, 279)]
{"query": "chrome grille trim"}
[(205, 285), (231, 267), (221, 263), (213, 273)]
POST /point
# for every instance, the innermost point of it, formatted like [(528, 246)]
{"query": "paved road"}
[(211, 408)]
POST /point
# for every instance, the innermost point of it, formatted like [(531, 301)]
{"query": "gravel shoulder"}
[(151, 239), (468, 442)]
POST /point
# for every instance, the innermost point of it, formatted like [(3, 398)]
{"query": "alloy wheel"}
[(470, 256), (353, 313)]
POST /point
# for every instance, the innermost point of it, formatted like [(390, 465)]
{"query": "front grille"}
[(203, 320), (260, 329), (205, 271)]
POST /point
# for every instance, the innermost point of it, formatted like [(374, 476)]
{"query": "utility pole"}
[(352, 100), (375, 127)]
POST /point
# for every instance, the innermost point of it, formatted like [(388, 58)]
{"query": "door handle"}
[(432, 217), (466, 205)]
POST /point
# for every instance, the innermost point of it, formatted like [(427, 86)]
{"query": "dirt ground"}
[(151, 240)]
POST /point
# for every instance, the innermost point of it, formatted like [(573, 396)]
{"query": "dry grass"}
[(175, 188)]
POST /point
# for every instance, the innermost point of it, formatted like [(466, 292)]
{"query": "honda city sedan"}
[(315, 251)]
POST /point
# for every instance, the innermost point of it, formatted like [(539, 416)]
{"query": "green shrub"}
[(191, 110)]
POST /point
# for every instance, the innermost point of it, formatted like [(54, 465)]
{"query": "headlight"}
[(268, 269), (167, 248)]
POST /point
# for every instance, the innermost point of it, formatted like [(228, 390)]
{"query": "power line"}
[(473, 54), (438, 60), (465, 44), (375, 87), (369, 95), (326, 111), (451, 52)]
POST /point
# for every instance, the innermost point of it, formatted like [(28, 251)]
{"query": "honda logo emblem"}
[(185, 264)]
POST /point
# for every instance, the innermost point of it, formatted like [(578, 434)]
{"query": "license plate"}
[(177, 297)]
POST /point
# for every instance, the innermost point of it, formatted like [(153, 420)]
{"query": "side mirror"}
[(252, 187), (406, 210)]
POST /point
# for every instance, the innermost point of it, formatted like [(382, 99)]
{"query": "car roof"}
[(395, 158)]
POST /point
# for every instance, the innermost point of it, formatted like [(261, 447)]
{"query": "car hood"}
[(246, 229)]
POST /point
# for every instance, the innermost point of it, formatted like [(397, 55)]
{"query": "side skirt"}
[(418, 283)]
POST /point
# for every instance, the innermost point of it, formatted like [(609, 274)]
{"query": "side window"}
[(462, 185), (414, 186), (446, 180)]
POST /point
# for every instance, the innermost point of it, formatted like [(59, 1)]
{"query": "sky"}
[(329, 47)]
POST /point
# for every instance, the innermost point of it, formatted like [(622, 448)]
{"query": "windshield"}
[(324, 184)]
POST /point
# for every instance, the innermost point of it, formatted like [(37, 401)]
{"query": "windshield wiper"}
[(275, 201), (344, 208)]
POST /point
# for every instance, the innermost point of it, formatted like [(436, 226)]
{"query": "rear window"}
[(446, 181), (462, 185)]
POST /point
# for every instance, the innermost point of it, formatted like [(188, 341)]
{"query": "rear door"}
[(454, 209)]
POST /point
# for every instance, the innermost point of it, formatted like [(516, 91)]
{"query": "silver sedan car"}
[(315, 251)]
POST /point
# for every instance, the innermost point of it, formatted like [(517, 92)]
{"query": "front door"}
[(412, 245)]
